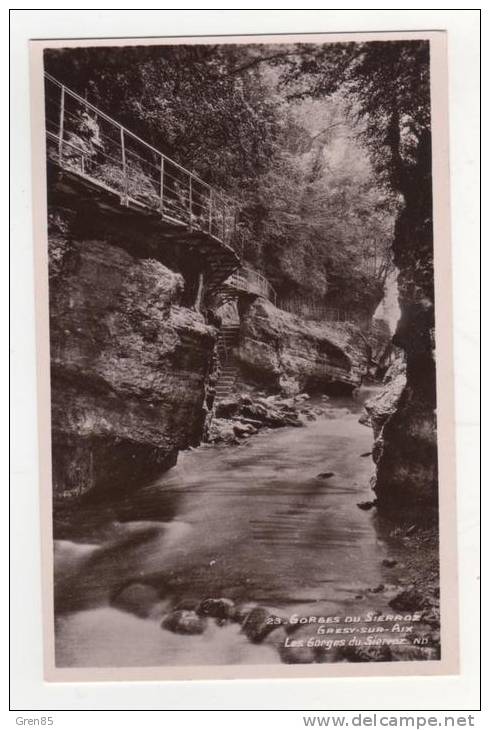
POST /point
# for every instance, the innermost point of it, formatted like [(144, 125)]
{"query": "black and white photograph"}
[(244, 431)]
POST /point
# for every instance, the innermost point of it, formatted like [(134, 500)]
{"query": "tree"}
[(311, 208)]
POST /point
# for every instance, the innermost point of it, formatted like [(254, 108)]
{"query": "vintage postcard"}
[(245, 368)]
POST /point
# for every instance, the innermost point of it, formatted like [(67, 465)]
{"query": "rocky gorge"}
[(134, 365), (135, 368), (135, 371)]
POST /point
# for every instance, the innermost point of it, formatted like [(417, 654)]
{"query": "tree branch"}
[(260, 59)]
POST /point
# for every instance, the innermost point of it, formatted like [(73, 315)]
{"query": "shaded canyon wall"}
[(406, 454), (130, 364)]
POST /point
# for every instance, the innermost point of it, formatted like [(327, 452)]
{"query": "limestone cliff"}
[(407, 458), (129, 365), (286, 353)]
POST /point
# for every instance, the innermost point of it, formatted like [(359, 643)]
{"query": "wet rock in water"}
[(222, 431), (408, 600), (325, 475), (366, 505), (410, 653), (184, 622), (294, 649), (270, 415), (276, 638), (137, 598), (365, 654), (238, 417), (366, 453), (241, 611), (221, 608), (389, 562), (379, 589), (297, 655), (259, 623), (301, 646), (243, 429), (432, 617)]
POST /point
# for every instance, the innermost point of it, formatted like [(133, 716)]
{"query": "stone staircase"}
[(228, 340)]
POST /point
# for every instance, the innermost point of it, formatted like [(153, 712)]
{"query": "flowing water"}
[(252, 522)]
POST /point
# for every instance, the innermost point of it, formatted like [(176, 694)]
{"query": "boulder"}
[(137, 598), (241, 612), (184, 622), (243, 429), (259, 623), (409, 600), (411, 653), (227, 408), (366, 505), (221, 608), (297, 654)]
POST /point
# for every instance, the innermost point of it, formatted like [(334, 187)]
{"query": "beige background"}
[(443, 276)]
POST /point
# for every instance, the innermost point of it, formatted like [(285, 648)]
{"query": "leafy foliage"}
[(279, 128)]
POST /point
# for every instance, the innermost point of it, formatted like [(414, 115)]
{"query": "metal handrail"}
[(248, 279), (89, 142)]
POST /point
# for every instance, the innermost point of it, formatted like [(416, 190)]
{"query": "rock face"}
[(407, 459), (129, 365), (241, 416), (380, 408), (282, 352)]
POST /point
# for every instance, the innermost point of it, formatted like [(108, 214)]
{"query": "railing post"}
[(190, 202), (162, 181), (125, 176), (62, 125)]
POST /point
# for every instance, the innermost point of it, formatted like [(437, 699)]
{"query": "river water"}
[(252, 522)]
